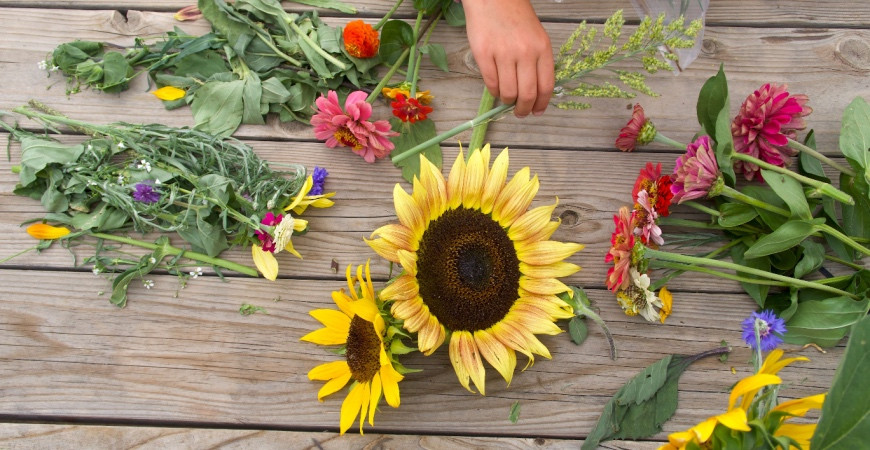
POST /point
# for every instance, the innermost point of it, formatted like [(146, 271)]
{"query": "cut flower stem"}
[(821, 187), (795, 145)]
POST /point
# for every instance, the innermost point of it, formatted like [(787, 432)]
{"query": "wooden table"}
[(182, 368)]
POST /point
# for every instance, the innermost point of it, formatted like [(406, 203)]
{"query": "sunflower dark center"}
[(363, 350), (468, 270)]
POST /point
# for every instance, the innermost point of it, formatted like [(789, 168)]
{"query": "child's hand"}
[(513, 52)]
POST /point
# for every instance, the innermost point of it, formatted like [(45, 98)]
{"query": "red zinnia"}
[(621, 245), (360, 39), (664, 196), (409, 109)]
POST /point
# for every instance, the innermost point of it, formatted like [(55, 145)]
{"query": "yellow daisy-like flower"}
[(477, 265), (358, 326), (424, 97)]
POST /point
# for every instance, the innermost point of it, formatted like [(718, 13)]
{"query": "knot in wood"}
[(855, 52)]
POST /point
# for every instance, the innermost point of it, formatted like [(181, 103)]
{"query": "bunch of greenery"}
[(258, 59)]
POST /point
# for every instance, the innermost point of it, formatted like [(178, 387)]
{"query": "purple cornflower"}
[(145, 193), (319, 177), (770, 328)]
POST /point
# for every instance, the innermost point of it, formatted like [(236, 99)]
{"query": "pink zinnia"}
[(638, 131), (350, 127), (767, 120), (645, 225), (696, 172), (621, 244)]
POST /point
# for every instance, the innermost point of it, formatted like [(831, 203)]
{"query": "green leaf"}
[(455, 14), (101, 217), (144, 267), (252, 94), (515, 412), (411, 134), (855, 136), (783, 238), (715, 119), (218, 106), (733, 214), (274, 91), (766, 194), (813, 257), (437, 55), (396, 36), (790, 191), (824, 322), (227, 23), (116, 72), (330, 4), (856, 218), (578, 330), (845, 421), (204, 236), (38, 153), (758, 292)]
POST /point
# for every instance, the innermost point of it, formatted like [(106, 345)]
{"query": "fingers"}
[(489, 72), (527, 89), (546, 83), (507, 81)]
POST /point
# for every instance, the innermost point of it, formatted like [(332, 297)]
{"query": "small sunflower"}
[(478, 266), (359, 327)]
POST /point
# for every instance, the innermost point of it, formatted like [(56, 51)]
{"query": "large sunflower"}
[(360, 328), (477, 265)]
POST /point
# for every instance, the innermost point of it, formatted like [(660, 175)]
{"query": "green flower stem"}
[(174, 251), (18, 254), (821, 187), (662, 139), (387, 16), (832, 280), (730, 192), (415, 73), (582, 309), (478, 135), (836, 260), (496, 112), (315, 45), (412, 60), (681, 269), (795, 145), (703, 225), (728, 276), (702, 208), (386, 79), (825, 228), (237, 215), (278, 51), (692, 260)]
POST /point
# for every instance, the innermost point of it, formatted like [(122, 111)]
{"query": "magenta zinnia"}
[(696, 171), (350, 127), (768, 118)]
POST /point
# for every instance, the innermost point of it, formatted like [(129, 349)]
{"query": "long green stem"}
[(795, 145), (692, 260), (412, 60), (844, 262), (415, 73), (386, 79), (825, 228), (821, 186), (478, 135), (481, 119), (387, 15), (174, 251), (728, 276), (278, 51), (581, 308), (702, 208), (730, 192), (315, 46), (664, 280), (662, 139)]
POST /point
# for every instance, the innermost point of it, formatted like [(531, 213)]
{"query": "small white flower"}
[(54, 68), (96, 270), (120, 179), (196, 273), (42, 65), (651, 303), (90, 148), (157, 181), (152, 260), (121, 145), (148, 167), (148, 284), (92, 183)]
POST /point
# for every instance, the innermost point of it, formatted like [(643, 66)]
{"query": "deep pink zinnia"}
[(638, 131), (350, 127), (621, 245), (696, 171), (271, 220), (768, 118)]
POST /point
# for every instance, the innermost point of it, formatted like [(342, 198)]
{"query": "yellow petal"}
[(331, 318), (802, 433), (299, 224), (408, 261), (517, 205), (421, 198), (434, 185), (405, 309), (503, 359), (289, 249), (404, 287), (431, 336), (544, 286), (475, 176), (265, 262), (169, 93), (334, 385), (342, 301), (374, 397), (704, 430), (351, 405), (455, 182), (557, 269), (773, 364), (418, 320), (800, 406), (533, 320), (384, 248), (748, 385), (679, 439), (408, 211), (303, 191), (546, 252), (494, 182), (390, 382), (532, 223), (46, 232), (734, 419), (328, 371), (667, 303), (399, 235), (466, 361)]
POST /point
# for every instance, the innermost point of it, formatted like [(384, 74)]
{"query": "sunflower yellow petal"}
[(399, 235), (549, 306), (404, 287), (342, 301), (328, 371), (544, 286), (408, 211), (421, 199), (773, 364), (533, 319), (405, 309), (748, 385), (503, 359), (466, 361), (734, 419), (408, 261), (680, 439), (326, 336), (331, 318), (434, 184), (265, 262), (532, 223), (431, 336), (802, 433), (475, 176), (366, 310), (513, 339), (374, 397), (546, 252), (169, 93), (494, 182), (350, 406), (384, 248), (334, 385), (46, 232), (418, 320), (557, 269), (704, 430), (800, 406), (455, 182), (303, 191), (390, 382)]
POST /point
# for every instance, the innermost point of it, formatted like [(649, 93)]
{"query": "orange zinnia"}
[(360, 39)]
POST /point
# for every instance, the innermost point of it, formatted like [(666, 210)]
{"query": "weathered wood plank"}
[(797, 13), (67, 353), (829, 65)]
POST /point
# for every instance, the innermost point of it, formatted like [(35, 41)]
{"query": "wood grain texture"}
[(830, 65), (186, 355)]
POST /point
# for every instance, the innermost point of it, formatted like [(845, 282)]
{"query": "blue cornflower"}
[(770, 328), (319, 177), (145, 193)]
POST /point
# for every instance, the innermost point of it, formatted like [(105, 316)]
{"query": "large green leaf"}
[(758, 292), (824, 322), (855, 136), (411, 134), (790, 191), (217, 107), (715, 119), (38, 153), (845, 421), (732, 214), (396, 36), (783, 238)]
